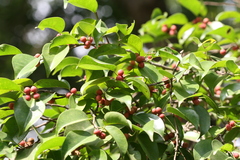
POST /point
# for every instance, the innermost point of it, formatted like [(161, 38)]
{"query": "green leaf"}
[(202, 149), (115, 118), (90, 5), (135, 43), (52, 57), (24, 65), (195, 6), (26, 154), (125, 29), (225, 31), (70, 117), (52, 143), (97, 154), (151, 72), (139, 84), (63, 40), (55, 23), (71, 71), (9, 89), (227, 14), (108, 49), (91, 63), (180, 93), (177, 18), (156, 12), (6, 49), (233, 67), (229, 90), (150, 148), (119, 138), (50, 83), (27, 113), (75, 139), (211, 103), (87, 26), (194, 62), (162, 53), (23, 82), (204, 119), (232, 134), (65, 62)]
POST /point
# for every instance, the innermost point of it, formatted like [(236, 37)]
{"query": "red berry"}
[(171, 135), (173, 27), (205, 20), (98, 97), (140, 59), (154, 111), (232, 123), (202, 25), (120, 72), (86, 47), (119, 78), (162, 116), (28, 97), (132, 63), (196, 102), (165, 80), (235, 155), (11, 105), (68, 94), (141, 65), (37, 55), (27, 90), (164, 91), (97, 132), (218, 92), (103, 135), (129, 68), (168, 85), (99, 92), (137, 54), (22, 143), (90, 39), (164, 28), (83, 39), (126, 114), (33, 89), (223, 52), (149, 57), (51, 101), (88, 43), (126, 135), (217, 88), (73, 90), (158, 110), (36, 96), (234, 48), (133, 110), (228, 127), (172, 32), (185, 145)]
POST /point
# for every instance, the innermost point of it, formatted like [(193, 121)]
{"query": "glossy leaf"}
[(71, 71), (195, 6), (91, 63), (125, 29), (229, 90), (70, 117), (63, 40), (233, 67), (65, 62), (225, 31), (202, 149), (55, 23), (139, 84), (115, 118), (27, 113), (204, 119), (50, 83), (119, 137), (75, 139), (91, 5), (6, 49), (9, 89), (135, 43), (227, 14), (98, 154), (177, 18), (180, 93), (108, 49)]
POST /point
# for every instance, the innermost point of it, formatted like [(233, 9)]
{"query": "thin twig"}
[(210, 3)]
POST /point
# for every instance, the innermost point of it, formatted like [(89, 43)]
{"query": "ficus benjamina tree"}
[(170, 92)]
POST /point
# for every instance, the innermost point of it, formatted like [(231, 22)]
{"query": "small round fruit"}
[(232, 123), (33, 89), (173, 27), (97, 132), (132, 63), (103, 135), (168, 85), (119, 78), (185, 145), (99, 92), (196, 102), (120, 72), (30, 140), (154, 111), (73, 90), (126, 114), (162, 116), (11, 105), (159, 110), (86, 47), (141, 65), (36, 96), (37, 55), (22, 143), (172, 32), (83, 39), (165, 80), (223, 52), (218, 92), (27, 90), (164, 91), (164, 28), (140, 59), (205, 20), (51, 101), (68, 94), (228, 127), (129, 68), (235, 155), (217, 88), (90, 39), (98, 97), (202, 25), (234, 48), (28, 97), (171, 135), (133, 110)]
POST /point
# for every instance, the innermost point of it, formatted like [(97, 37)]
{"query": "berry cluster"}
[(72, 91), (140, 60), (31, 93), (27, 143), (120, 75), (87, 41), (158, 111), (99, 133), (171, 31), (169, 136), (131, 66), (204, 23), (102, 101), (130, 112), (196, 101), (235, 47), (166, 82), (196, 20), (230, 125), (217, 90)]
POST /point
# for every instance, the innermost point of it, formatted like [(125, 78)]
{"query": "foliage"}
[(164, 94)]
